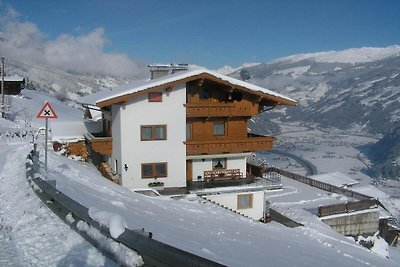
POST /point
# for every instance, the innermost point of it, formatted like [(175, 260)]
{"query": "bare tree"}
[(27, 118)]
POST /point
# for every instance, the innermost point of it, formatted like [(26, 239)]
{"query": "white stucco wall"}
[(229, 200), (134, 152), (232, 163), (116, 134), (356, 223)]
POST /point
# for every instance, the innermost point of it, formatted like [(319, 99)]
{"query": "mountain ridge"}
[(360, 96)]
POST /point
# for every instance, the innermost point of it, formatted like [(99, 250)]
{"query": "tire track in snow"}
[(9, 255), (33, 235)]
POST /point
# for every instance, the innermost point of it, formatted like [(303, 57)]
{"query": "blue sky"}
[(213, 33)]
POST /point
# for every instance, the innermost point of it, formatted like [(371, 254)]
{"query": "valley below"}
[(307, 149)]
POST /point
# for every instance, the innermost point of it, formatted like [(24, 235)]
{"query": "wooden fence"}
[(347, 207), (319, 184)]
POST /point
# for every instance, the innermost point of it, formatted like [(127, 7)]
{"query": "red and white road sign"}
[(47, 112)]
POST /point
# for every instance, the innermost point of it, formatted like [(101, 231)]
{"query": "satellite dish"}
[(245, 75)]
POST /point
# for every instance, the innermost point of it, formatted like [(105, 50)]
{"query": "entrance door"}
[(189, 170)]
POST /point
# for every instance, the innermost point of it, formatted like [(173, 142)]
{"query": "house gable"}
[(166, 83)]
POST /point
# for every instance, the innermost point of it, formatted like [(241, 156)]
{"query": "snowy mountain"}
[(226, 70), (351, 89), (63, 84)]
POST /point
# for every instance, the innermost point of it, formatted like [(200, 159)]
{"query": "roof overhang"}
[(277, 99)]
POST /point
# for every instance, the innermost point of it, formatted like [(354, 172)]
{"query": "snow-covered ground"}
[(32, 235), (208, 230)]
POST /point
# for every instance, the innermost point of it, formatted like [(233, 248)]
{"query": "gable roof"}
[(123, 93)]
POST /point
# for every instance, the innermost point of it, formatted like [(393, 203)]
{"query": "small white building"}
[(249, 201)]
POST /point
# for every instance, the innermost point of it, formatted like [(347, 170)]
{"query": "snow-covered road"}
[(30, 234)]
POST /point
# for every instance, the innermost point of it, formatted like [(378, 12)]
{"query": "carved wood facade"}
[(229, 146), (209, 104), (222, 175)]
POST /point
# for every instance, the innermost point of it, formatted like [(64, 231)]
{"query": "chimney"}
[(179, 67), (159, 70)]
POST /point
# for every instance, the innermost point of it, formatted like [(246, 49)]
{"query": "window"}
[(219, 163), (153, 132), (245, 201), (188, 131), (219, 128), (154, 170), (155, 97), (204, 93)]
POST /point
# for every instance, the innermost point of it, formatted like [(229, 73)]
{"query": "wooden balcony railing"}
[(219, 110), (222, 174), (229, 146), (102, 145)]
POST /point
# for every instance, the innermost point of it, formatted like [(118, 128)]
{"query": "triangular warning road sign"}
[(47, 112)]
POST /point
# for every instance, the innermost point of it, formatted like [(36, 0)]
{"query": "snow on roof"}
[(371, 191), (68, 131), (350, 213), (14, 78), (91, 99), (335, 178), (141, 85)]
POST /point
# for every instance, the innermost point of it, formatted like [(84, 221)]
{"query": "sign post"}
[(47, 112)]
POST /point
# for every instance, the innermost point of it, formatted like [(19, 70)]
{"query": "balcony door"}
[(189, 170)]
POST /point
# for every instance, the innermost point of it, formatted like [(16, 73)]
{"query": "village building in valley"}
[(179, 127)]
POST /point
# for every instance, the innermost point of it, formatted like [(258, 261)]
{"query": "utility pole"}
[(2, 87)]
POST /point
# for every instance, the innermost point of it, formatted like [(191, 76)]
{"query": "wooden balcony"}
[(229, 146), (222, 174), (205, 110), (100, 144)]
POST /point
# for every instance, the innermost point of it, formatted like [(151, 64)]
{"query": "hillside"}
[(385, 155), (355, 89), (60, 83)]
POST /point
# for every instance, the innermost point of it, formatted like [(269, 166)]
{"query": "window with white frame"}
[(245, 201)]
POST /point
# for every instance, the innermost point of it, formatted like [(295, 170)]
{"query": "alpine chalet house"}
[(179, 126)]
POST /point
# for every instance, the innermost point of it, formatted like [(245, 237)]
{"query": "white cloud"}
[(85, 53)]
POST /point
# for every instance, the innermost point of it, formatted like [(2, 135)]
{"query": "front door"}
[(189, 170)]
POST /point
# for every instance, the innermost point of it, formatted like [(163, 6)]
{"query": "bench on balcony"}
[(222, 174)]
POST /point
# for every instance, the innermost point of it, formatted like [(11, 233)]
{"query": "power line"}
[(55, 72)]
